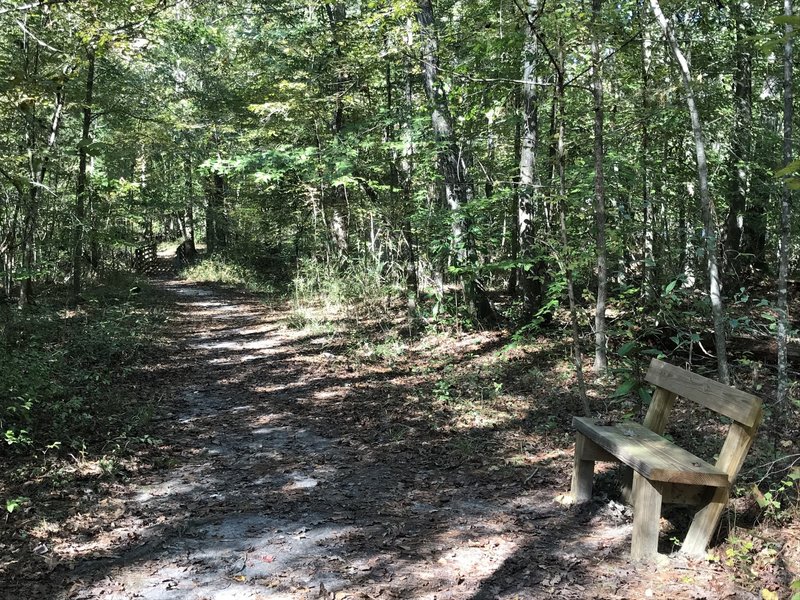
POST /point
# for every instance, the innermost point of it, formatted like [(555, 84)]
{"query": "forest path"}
[(291, 474)]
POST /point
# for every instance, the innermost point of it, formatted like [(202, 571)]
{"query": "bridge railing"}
[(144, 257)]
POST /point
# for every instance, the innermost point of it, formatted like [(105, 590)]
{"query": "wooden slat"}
[(582, 471), (725, 400), (730, 460), (688, 495), (656, 458), (647, 496), (658, 413)]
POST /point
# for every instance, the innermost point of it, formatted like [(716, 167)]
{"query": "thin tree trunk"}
[(28, 250), (709, 213), (529, 275), (189, 201), (739, 158), (785, 219), (216, 235), (600, 357), (9, 244), (648, 262), (80, 186), (407, 166), (402, 168), (452, 163), (335, 197), (560, 156), (515, 200)]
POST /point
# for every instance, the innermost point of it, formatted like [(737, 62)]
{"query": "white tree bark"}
[(785, 222), (600, 336), (709, 213)]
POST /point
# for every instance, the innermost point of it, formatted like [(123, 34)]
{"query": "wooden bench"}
[(663, 472)]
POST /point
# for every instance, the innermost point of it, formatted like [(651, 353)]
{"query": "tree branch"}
[(32, 5), (534, 29)]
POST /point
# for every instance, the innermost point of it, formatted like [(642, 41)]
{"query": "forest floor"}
[(294, 461)]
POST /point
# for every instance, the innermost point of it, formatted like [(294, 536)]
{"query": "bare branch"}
[(32, 5), (36, 39)]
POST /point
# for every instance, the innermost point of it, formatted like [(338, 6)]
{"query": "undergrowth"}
[(358, 289), (233, 271), (64, 374)]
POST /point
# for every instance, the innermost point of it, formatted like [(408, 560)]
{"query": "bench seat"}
[(657, 470), (649, 454)]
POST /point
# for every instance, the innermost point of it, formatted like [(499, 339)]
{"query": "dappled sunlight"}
[(296, 465)]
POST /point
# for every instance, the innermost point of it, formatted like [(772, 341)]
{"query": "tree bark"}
[(515, 200), (600, 341), (529, 276), (335, 197), (709, 213), (648, 260), (785, 218), (560, 159), (80, 186), (216, 230), (739, 158), (189, 201), (38, 172), (452, 163)]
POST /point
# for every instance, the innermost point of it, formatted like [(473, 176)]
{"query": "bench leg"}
[(705, 524), (582, 472), (626, 483), (646, 517)]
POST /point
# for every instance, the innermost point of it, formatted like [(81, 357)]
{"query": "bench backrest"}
[(725, 400), (744, 409)]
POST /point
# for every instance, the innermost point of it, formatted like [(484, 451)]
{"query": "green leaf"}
[(13, 504), (670, 286), (626, 348), (792, 167), (787, 20), (624, 389), (645, 396)]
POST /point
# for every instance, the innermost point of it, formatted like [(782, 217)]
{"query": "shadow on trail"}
[(292, 473)]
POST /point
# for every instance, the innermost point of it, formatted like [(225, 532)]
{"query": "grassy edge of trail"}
[(75, 403)]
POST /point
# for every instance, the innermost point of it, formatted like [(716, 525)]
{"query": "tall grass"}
[(358, 290), (232, 271)]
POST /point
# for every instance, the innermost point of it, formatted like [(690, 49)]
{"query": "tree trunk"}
[(515, 200), (335, 197), (560, 158), (600, 358), (216, 231), (402, 175), (189, 201), (452, 164), (739, 158), (785, 218), (709, 214), (27, 245), (80, 186), (648, 260), (529, 276)]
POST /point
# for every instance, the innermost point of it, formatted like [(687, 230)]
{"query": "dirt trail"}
[(293, 475)]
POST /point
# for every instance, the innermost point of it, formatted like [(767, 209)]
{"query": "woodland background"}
[(619, 174)]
